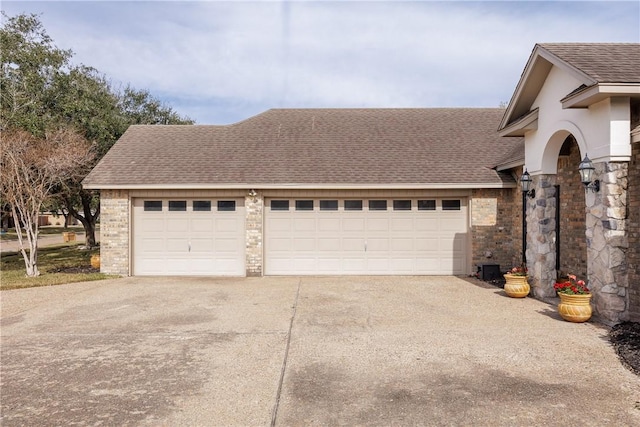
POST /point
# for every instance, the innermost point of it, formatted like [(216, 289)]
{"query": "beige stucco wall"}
[(601, 131)]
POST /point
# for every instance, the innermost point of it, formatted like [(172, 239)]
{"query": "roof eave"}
[(511, 165), (295, 186), (521, 126), (599, 92)]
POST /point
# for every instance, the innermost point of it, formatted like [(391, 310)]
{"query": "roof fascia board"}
[(598, 92), (533, 77), (521, 126), (300, 186), (511, 165)]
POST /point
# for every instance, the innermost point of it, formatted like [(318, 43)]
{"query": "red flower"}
[(572, 286)]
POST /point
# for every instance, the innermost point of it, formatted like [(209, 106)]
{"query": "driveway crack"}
[(276, 406)]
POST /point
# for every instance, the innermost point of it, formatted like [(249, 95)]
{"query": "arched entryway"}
[(571, 245), (581, 231)]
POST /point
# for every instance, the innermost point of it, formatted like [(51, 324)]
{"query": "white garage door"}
[(188, 237), (361, 236)]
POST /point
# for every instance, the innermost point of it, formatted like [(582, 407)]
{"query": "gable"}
[(600, 71)]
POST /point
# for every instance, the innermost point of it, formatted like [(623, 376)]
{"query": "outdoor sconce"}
[(586, 172), (525, 182), (252, 193)]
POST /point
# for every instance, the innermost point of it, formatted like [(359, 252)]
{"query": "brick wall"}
[(114, 232), (573, 244), (633, 253), (496, 227)]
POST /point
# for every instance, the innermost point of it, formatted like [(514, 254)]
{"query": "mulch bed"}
[(625, 338), (74, 270)]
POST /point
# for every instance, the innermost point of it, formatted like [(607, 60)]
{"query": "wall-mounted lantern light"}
[(253, 194), (586, 173), (525, 182)]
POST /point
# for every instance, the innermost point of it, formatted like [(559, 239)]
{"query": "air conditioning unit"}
[(489, 272)]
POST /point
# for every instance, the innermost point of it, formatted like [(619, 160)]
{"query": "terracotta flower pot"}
[(575, 308), (516, 286), (95, 261)]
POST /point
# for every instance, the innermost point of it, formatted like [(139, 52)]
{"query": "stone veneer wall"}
[(608, 242), (494, 239), (573, 245), (114, 232), (254, 224), (633, 253), (541, 235)]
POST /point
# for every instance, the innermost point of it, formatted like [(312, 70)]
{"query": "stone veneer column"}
[(254, 228), (114, 232), (541, 236), (607, 242)]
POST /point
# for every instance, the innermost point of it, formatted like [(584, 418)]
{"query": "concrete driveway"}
[(303, 351)]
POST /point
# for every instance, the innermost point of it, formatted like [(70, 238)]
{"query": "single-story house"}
[(427, 191)]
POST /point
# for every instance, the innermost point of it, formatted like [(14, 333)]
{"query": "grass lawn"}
[(57, 264)]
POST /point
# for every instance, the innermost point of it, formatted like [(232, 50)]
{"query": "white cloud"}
[(224, 61)]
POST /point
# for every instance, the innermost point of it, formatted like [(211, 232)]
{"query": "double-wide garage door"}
[(365, 236), (183, 237)]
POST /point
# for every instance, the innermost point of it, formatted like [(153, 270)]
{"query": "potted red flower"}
[(575, 299)]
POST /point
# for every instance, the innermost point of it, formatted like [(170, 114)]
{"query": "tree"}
[(30, 64), (41, 89), (31, 168)]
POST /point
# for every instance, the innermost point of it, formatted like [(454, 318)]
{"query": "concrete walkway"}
[(303, 352)]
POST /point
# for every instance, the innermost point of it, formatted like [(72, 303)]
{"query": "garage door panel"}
[(202, 245), (353, 224), (353, 244), (279, 245), (176, 245), (304, 245), (202, 225), (366, 242), (451, 224), (402, 244), (374, 245), (329, 224), (401, 224), (378, 224), (188, 242), (304, 224), (426, 244), (153, 225), (426, 224), (227, 225), (328, 244), (280, 224), (354, 265), (177, 224), (403, 265), (152, 245), (329, 265), (378, 265)]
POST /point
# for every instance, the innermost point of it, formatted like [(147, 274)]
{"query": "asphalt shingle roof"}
[(603, 62), (314, 146)]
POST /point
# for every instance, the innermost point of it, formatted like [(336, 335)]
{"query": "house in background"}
[(577, 101), (396, 191)]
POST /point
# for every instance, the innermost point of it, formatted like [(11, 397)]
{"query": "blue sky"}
[(221, 62)]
